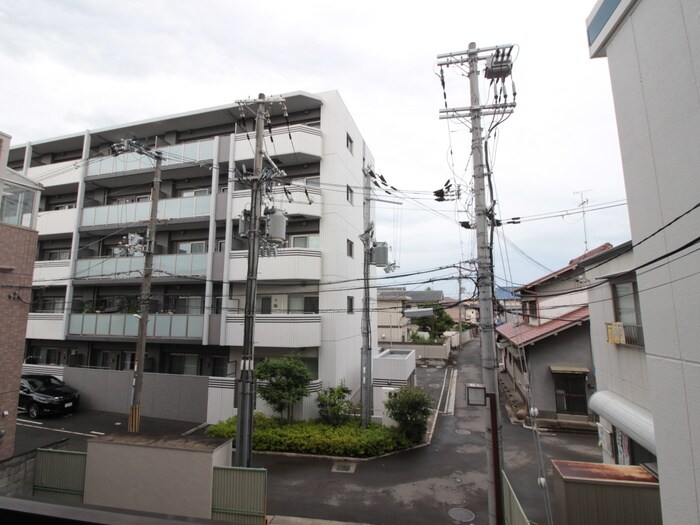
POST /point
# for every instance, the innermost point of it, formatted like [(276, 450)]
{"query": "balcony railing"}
[(289, 264), (277, 330), (191, 152), (167, 326), (625, 334), (177, 208), (175, 265), (297, 200)]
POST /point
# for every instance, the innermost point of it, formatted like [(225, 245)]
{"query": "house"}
[(623, 399), (18, 202), (547, 349), (398, 307), (655, 93), (87, 275)]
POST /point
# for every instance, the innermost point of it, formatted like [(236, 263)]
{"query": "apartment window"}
[(58, 255), (529, 311), (313, 181), (264, 304), (626, 299), (192, 247), (351, 304), (305, 241), (350, 248), (188, 364), (349, 142), (51, 305), (68, 206), (303, 304), (349, 194), (189, 304), (194, 192), (220, 245)]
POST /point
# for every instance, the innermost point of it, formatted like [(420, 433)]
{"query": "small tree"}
[(410, 408), (287, 381), (334, 408), (436, 324)]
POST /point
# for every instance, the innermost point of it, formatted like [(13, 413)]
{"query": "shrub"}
[(333, 406), (348, 439), (410, 407), (286, 382)]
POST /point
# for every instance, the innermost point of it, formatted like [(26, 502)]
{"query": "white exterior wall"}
[(341, 337), (654, 60)]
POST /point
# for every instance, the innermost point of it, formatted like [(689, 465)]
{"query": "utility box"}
[(605, 494), (380, 254), (244, 224)]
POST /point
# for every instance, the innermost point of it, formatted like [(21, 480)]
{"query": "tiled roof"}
[(524, 334)]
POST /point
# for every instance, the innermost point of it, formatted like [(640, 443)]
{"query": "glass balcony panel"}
[(202, 205), (199, 264), (102, 324), (88, 217), (101, 215), (89, 324), (206, 150), (183, 263), (190, 153), (164, 265), (76, 324), (187, 206), (117, 325), (195, 325), (178, 326), (171, 209), (142, 211), (162, 325), (131, 325)]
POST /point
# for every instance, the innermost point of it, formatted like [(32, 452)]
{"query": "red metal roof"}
[(525, 334)]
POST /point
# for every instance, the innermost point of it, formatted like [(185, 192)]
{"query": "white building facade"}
[(653, 52), (309, 296)]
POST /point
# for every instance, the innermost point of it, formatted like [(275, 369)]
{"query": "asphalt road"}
[(444, 482)]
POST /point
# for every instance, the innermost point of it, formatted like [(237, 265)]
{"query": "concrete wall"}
[(661, 160), (167, 396), (17, 476), (166, 476), (425, 351)]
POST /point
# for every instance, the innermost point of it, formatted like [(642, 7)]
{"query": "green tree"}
[(410, 407), (436, 324), (286, 382), (334, 408)]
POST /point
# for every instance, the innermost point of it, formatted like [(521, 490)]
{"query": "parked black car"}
[(43, 394)]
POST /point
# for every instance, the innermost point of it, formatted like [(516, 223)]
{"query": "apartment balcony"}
[(306, 201), (164, 326), (306, 145), (45, 326), (56, 222), (166, 266), (134, 212), (178, 155), (625, 334), (51, 273), (289, 264), (277, 330)]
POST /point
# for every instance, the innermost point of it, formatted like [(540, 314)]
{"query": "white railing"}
[(170, 326)]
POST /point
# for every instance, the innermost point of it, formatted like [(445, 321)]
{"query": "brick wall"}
[(16, 269), (17, 476)]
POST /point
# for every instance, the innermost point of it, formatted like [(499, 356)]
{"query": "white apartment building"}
[(309, 296), (653, 52)]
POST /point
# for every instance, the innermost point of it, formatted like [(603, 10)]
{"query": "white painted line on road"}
[(57, 430), (194, 429), (442, 391), (452, 394), (29, 421), (97, 433)]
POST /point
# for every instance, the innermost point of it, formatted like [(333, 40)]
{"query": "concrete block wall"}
[(17, 476)]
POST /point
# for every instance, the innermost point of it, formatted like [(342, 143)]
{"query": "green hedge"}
[(348, 440)]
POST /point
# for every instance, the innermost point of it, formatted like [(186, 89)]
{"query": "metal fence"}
[(513, 513), (239, 495), (59, 476)]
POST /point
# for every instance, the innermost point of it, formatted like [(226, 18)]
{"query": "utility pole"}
[(498, 67), (366, 359), (145, 298), (246, 381)]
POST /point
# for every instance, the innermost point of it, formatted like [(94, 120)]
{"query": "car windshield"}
[(41, 382)]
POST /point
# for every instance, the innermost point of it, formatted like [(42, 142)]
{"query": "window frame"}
[(350, 304)]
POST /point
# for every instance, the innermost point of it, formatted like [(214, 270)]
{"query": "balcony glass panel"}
[(75, 325), (187, 206), (162, 325), (117, 325), (179, 325), (195, 326), (199, 264), (89, 324), (103, 323), (190, 153), (131, 325)]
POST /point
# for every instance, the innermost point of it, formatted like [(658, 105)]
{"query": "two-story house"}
[(547, 349)]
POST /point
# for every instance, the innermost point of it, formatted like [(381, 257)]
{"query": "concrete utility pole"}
[(246, 381), (366, 359), (145, 298), (498, 67)]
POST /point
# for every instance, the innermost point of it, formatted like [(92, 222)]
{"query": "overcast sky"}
[(69, 65)]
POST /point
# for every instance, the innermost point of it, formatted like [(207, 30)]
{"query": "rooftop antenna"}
[(584, 201)]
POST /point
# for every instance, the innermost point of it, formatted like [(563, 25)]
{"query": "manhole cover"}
[(462, 515), (344, 467), (463, 431)]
